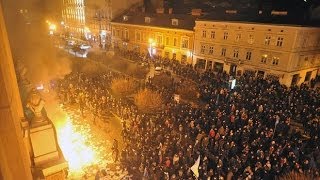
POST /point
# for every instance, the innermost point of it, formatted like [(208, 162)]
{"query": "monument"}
[(46, 157)]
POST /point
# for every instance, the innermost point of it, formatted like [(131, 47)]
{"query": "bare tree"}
[(188, 91), (148, 101), (162, 80), (123, 86), (295, 175)]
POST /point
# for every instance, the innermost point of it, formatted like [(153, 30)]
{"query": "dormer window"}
[(174, 22), (147, 19), (125, 18)]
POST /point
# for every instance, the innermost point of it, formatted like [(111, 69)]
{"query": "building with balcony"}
[(232, 43), (166, 35)]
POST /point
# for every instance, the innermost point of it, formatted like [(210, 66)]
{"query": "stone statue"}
[(35, 104)]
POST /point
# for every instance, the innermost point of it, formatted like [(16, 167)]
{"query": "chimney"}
[(196, 12), (170, 10), (160, 10)]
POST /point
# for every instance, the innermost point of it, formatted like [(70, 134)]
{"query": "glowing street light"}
[(52, 27)]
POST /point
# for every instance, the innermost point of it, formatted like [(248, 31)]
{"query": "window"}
[(238, 37), (203, 49), (236, 53), (267, 40), (185, 43), (125, 18), (147, 19), (174, 41), (211, 50), (275, 60), (225, 35), (213, 34), (204, 34), (167, 41), (159, 39), (126, 34), (264, 58), (248, 56), (144, 36), (174, 22), (138, 36), (308, 76), (223, 52), (280, 41), (251, 39)]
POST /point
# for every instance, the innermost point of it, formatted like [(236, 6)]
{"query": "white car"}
[(157, 70), (84, 46)]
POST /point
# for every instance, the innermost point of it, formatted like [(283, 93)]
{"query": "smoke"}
[(44, 63), (30, 42)]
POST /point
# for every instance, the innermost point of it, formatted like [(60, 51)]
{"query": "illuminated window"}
[(167, 41), (125, 18), (147, 19), (280, 41), (264, 59), (267, 40), (174, 22), (275, 60)]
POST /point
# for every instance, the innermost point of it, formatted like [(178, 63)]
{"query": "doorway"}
[(233, 70), (295, 80), (260, 74)]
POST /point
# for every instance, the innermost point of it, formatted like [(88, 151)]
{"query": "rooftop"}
[(186, 22), (255, 17)]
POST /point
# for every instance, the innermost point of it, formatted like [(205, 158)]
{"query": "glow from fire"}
[(74, 147)]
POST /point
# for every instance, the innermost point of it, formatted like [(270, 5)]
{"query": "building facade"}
[(166, 35), (99, 14), (73, 17), (288, 53)]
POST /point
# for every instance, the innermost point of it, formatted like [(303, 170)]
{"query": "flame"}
[(85, 147), (74, 147)]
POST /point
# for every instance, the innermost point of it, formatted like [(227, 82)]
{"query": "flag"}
[(195, 167)]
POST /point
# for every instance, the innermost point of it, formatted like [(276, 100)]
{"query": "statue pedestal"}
[(48, 160)]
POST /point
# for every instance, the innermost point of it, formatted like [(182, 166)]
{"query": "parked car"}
[(84, 46), (157, 70)]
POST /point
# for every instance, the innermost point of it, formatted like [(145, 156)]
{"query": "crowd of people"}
[(243, 133)]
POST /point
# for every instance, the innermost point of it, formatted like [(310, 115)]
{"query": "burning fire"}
[(74, 147), (84, 147)]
